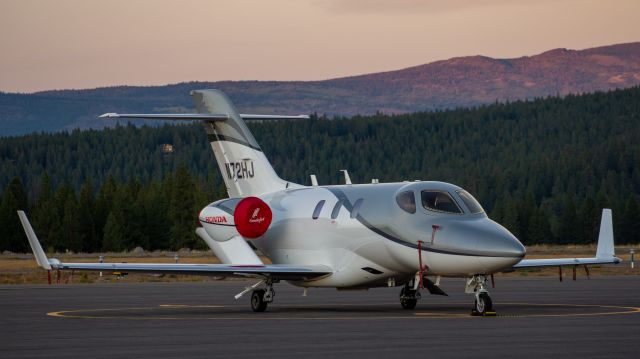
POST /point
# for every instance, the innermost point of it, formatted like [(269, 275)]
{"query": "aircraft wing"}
[(555, 262), (605, 252), (279, 271), (275, 271)]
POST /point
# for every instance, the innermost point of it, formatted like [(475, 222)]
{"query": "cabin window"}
[(407, 201), (356, 208), (472, 204), (316, 212), (440, 201), (336, 210)]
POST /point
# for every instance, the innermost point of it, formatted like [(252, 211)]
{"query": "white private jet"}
[(352, 236)]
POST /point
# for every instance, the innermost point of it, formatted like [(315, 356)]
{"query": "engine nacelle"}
[(251, 218), (218, 222)]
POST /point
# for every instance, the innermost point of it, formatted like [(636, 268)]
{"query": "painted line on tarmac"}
[(367, 315)]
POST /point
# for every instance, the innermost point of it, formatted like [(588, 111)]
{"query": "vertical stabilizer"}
[(244, 167)]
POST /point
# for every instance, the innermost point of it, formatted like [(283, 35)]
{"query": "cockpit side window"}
[(407, 201), (440, 201), (470, 202)]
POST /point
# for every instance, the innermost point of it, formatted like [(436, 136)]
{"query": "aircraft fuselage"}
[(367, 238)]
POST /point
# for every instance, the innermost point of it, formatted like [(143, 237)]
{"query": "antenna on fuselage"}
[(314, 181), (347, 179)]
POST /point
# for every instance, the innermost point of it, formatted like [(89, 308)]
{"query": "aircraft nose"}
[(498, 247), (498, 241)]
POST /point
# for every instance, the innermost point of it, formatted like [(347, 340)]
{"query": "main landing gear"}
[(409, 296), (260, 298), (482, 306)]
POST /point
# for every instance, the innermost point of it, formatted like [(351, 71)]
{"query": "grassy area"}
[(22, 268)]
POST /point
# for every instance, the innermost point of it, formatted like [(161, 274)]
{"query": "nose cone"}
[(498, 241), (499, 249)]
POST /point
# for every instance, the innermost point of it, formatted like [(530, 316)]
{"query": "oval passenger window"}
[(316, 212), (407, 201), (336, 210)]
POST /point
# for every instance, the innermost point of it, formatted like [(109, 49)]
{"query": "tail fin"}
[(244, 167)]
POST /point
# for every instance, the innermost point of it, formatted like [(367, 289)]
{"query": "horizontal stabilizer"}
[(168, 116), (199, 116)]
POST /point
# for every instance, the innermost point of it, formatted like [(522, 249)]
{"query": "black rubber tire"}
[(483, 304), (407, 303), (257, 301)]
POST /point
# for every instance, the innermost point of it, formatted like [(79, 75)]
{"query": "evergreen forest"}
[(543, 168)]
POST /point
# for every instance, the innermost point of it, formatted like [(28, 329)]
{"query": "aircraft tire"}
[(257, 301), (482, 305), (407, 303)]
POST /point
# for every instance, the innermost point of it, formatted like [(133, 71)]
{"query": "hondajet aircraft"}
[(351, 236)]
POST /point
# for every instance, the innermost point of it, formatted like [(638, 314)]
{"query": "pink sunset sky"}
[(66, 44)]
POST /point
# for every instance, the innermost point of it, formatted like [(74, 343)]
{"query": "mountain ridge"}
[(456, 82)]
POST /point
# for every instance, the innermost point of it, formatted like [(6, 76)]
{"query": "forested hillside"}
[(542, 168)]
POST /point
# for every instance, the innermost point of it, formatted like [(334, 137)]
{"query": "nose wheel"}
[(483, 305)]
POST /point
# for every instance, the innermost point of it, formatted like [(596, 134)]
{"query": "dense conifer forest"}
[(543, 168)]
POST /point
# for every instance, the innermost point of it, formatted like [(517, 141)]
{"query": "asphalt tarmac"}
[(537, 318)]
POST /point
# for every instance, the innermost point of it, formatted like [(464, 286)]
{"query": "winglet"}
[(606, 248), (41, 258)]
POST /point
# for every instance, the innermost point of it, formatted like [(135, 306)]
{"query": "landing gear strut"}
[(482, 306), (261, 297), (409, 296)]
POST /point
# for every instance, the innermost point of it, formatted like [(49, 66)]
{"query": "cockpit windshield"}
[(440, 201), (470, 202)]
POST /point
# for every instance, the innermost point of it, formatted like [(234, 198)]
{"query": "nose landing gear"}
[(483, 305)]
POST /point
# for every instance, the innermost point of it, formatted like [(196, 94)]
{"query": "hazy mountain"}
[(457, 82)]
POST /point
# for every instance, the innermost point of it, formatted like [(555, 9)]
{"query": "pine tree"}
[(181, 210), (588, 221), (44, 213), (72, 238), (568, 229), (13, 199), (539, 228), (114, 231), (87, 228), (104, 202), (629, 230)]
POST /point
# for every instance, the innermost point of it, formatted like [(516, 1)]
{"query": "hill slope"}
[(457, 82)]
